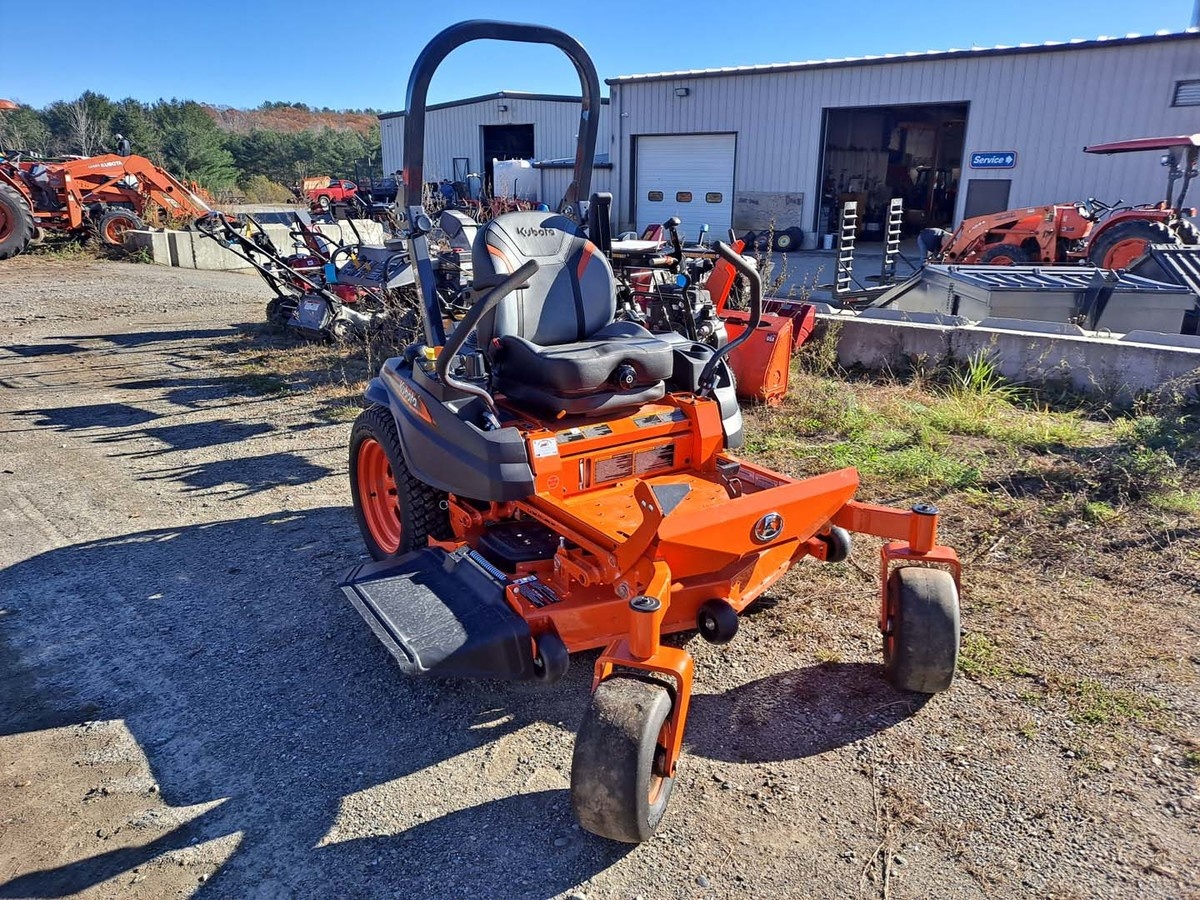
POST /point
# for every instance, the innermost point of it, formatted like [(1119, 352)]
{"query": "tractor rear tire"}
[(1188, 232), (17, 227), (616, 790), (396, 513), (920, 650), (114, 223), (1005, 255), (1125, 242)]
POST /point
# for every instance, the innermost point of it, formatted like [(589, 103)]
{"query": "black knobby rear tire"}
[(921, 651), (17, 227), (420, 509), (1005, 255), (616, 790), (280, 310), (1112, 249)]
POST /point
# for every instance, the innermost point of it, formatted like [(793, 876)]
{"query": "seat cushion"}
[(586, 366)]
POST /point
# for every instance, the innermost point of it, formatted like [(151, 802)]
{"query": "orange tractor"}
[(1109, 237), (95, 195)]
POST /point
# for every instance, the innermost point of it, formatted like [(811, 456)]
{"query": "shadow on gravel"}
[(195, 392), (97, 415), (228, 653), (141, 338), (31, 350), (191, 436), (797, 714), (246, 474)]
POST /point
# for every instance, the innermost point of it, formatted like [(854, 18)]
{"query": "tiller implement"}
[(547, 480)]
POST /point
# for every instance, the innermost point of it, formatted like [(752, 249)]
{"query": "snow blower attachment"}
[(547, 480)]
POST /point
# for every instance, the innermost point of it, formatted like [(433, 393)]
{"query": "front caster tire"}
[(617, 788), (920, 648), (396, 513), (837, 544), (551, 659), (717, 621)]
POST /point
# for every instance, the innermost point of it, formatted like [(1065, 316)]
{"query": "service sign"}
[(994, 159)]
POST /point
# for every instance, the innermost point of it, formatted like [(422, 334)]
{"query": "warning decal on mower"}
[(655, 460), (675, 415), (614, 468), (545, 447)]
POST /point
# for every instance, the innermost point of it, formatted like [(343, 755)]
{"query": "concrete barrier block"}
[(1121, 370), (211, 255), (1032, 325), (156, 243), (1190, 341), (181, 252)]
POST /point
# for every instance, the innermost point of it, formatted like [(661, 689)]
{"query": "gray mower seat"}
[(554, 345)]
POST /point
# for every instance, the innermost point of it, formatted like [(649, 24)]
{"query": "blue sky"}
[(240, 54)]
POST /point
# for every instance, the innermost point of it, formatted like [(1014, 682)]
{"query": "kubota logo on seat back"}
[(524, 231)]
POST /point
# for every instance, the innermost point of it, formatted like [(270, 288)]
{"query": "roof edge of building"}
[(913, 56)]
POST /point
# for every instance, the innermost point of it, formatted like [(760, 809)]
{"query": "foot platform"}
[(443, 614)]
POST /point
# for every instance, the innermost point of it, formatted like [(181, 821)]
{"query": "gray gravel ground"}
[(188, 705)]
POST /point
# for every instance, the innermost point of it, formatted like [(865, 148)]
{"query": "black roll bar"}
[(414, 136)]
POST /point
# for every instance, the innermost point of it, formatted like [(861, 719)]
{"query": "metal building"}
[(957, 132), (462, 138)]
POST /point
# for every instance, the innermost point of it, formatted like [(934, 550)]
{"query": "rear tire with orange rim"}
[(17, 228), (1124, 243), (396, 513), (113, 225), (618, 788)]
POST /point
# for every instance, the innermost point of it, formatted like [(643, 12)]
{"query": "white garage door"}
[(686, 175)]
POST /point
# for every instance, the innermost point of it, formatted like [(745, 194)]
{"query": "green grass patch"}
[(1096, 704)]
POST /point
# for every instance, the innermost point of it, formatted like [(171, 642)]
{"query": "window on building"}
[(713, 197), (1187, 93), (655, 196), (683, 197)]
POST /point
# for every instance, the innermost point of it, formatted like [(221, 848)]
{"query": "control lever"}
[(454, 343), (743, 266)]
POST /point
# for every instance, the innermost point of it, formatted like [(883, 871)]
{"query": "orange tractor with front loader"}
[(103, 196), (1109, 237)]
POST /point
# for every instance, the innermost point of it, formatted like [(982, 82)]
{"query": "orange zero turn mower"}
[(546, 480)]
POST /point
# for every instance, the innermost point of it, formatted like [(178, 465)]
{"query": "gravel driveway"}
[(188, 705)]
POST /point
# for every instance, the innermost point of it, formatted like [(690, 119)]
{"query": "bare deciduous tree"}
[(84, 131)]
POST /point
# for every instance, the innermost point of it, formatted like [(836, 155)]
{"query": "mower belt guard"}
[(443, 614)]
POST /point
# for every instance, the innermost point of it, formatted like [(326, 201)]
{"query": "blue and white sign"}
[(994, 159)]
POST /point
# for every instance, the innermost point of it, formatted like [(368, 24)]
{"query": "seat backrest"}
[(573, 294)]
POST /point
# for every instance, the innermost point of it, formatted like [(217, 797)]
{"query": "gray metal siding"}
[(1045, 106), (456, 131)]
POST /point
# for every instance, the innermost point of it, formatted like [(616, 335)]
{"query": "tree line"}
[(185, 138)]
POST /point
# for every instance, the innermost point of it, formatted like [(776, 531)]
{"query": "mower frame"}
[(648, 525)]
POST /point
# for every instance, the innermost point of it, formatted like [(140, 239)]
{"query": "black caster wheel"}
[(920, 645), (552, 659), (717, 621), (837, 543), (618, 790)]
